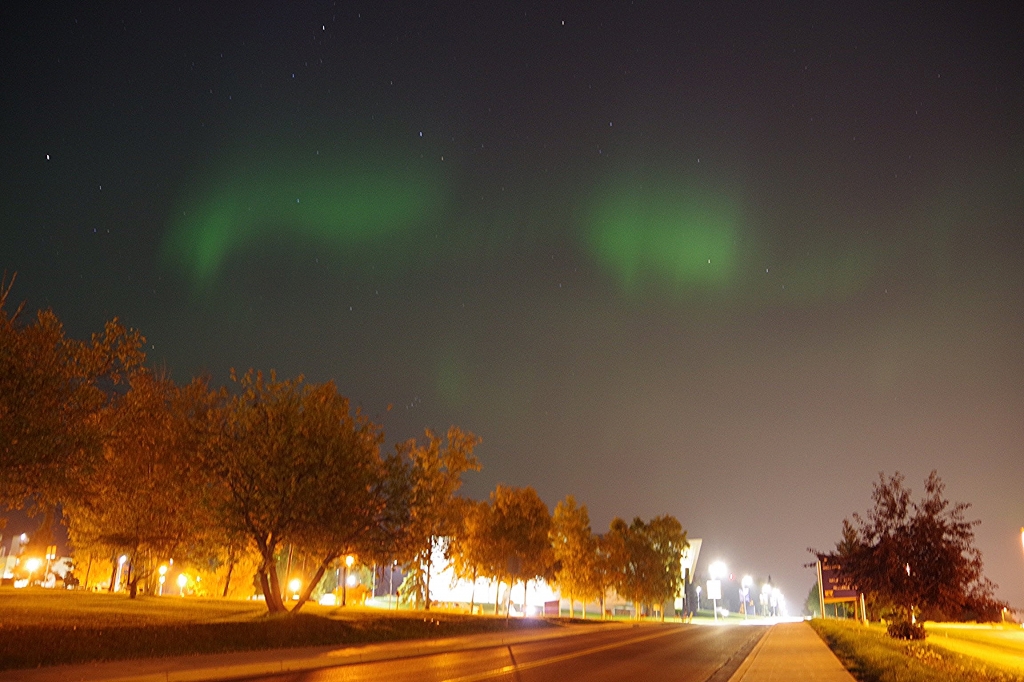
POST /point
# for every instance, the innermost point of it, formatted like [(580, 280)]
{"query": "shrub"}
[(904, 629)]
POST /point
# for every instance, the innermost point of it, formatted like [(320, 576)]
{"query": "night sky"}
[(717, 260)]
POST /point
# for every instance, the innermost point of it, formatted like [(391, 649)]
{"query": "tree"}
[(361, 506), (292, 464), (668, 539), (520, 525), (650, 570), (436, 477), (575, 552), (52, 391), (916, 558), (611, 555), (470, 548), (144, 498)]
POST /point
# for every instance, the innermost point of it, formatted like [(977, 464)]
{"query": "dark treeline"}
[(241, 476)]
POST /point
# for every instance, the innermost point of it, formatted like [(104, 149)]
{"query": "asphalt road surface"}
[(649, 653)]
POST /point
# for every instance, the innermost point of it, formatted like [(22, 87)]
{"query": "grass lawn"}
[(51, 627), (872, 656), (999, 645)]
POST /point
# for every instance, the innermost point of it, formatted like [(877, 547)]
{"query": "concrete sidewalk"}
[(253, 663), (791, 652)]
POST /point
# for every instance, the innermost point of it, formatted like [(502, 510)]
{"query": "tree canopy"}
[(52, 392), (916, 559)]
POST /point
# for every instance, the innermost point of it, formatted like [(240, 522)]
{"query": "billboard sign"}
[(834, 588)]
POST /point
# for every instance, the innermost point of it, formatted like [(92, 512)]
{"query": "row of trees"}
[(245, 474), (915, 559)]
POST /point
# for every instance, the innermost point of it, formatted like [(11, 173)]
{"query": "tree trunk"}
[(88, 570), (275, 586), (497, 595), (426, 581), (227, 578), (113, 573), (472, 594), (317, 577), (272, 598)]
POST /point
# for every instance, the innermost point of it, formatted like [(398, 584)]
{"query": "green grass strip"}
[(872, 656)]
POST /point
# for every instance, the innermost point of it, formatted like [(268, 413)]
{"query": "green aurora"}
[(682, 238), (349, 208)]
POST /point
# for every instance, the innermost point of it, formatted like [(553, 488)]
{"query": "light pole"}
[(182, 581), (163, 578), (698, 597)]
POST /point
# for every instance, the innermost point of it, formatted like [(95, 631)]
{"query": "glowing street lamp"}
[(32, 565), (182, 581), (295, 585), (163, 578)]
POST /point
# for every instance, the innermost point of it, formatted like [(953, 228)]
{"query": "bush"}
[(904, 629)]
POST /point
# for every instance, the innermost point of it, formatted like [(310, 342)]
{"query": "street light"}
[(294, 586), (32, 565), (163, 578), (182, 581)]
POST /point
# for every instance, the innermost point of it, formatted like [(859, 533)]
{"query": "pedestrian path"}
[(791, 652)]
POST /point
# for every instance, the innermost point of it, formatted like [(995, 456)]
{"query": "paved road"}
[(649, 653)]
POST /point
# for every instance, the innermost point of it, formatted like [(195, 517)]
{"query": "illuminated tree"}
[(292, 464), (916, 558), (436, 477), (361, 504), (575, 553), (470, 547), (648, 570), (520, 525), (145, 497), (611, 555), (52, 391), (668, 540)]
